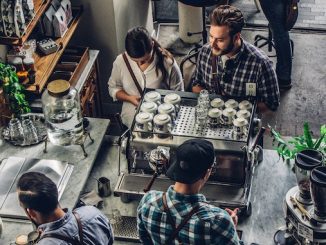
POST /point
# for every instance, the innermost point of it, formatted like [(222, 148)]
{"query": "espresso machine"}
[(305, 204), (149, 154)]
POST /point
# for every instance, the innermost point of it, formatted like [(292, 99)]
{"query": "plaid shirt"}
[(250, 65), (209, 225)]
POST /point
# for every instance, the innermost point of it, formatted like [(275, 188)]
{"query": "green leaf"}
[(307, 135), (318, 142)]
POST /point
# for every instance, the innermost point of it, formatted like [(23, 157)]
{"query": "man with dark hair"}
[(230, 66), (182, 214), (38, 195)]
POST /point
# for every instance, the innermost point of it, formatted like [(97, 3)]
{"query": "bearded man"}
[(231, 67)]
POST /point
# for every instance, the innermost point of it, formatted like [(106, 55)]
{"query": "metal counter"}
[(72, 154)]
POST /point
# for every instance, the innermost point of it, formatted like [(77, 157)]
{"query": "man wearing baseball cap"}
[(182, 214)]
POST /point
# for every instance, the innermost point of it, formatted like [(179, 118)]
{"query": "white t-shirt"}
[(121, 80)]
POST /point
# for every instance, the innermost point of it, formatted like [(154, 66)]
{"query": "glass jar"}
[(63, 118)]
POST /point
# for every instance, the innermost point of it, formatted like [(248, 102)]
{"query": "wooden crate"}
[(71, 64)]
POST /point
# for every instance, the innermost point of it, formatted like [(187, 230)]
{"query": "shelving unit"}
[(40, 6), (45, 64)]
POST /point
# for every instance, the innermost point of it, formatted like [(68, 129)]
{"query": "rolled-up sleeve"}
[(268, 87), (115, 80)]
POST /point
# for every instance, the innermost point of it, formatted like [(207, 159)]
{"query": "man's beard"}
[(219, 52)]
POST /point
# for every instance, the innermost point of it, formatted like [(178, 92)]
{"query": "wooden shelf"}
[(45, 64), (40, 6)]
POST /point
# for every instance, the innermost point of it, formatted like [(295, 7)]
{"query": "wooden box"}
[(71, 64)]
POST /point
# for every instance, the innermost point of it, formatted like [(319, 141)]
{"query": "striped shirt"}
[(209, 225), (250, 66)]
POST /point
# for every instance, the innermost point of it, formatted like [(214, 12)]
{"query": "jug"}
[(103, 185)]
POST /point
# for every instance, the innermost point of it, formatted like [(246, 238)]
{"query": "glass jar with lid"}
[(62, 113)]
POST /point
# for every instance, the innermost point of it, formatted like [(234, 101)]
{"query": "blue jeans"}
[(274, 11)]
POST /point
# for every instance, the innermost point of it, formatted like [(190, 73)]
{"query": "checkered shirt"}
[(209, 225), (251, 65)]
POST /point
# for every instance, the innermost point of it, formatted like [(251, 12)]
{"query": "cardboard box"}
[(59, 23)]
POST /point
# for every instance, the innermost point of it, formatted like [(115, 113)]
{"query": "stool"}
[(203, 4), (269, 41)]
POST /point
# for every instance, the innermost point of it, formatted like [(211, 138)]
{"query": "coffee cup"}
[(21, 240), (173, 99), (153, 96), (245, 105), (228, 115), (31, 238), (162, 124), (144, 124), (231, 103), (150, 107), (240, 126), (217, 103), (169, 109), (243, 114), (214, 117)]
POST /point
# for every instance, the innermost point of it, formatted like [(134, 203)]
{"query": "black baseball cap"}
[(192, 160)]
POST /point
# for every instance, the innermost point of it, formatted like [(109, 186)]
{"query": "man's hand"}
[(134, 99), (233, 214), (196, 89)]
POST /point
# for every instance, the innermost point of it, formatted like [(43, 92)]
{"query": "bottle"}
[(29, 64), (63, 118)]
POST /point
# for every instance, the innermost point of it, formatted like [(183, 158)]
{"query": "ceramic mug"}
[(217, 103), (153, 96), (243, 114), (228, 116), (162, 124), (231, 103), (240, 126), (214, 117), (150, 107), (144, 124), (173, 99), (169, 109), (245, 105)]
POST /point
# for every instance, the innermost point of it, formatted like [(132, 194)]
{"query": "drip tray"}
[(126, 229), (13, 167), (131, 186)]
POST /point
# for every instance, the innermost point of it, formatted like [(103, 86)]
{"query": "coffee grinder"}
[(305, 210)]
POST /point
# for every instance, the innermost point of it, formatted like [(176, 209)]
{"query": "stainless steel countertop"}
[(73, 154), (272, 179)]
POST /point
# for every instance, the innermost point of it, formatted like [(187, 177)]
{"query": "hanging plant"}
[(287, 150), (13, 90)]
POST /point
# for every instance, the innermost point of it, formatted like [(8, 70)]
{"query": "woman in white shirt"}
[(152, 66)]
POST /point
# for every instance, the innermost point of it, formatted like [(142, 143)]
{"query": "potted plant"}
[(13, 90), (287, 150)]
